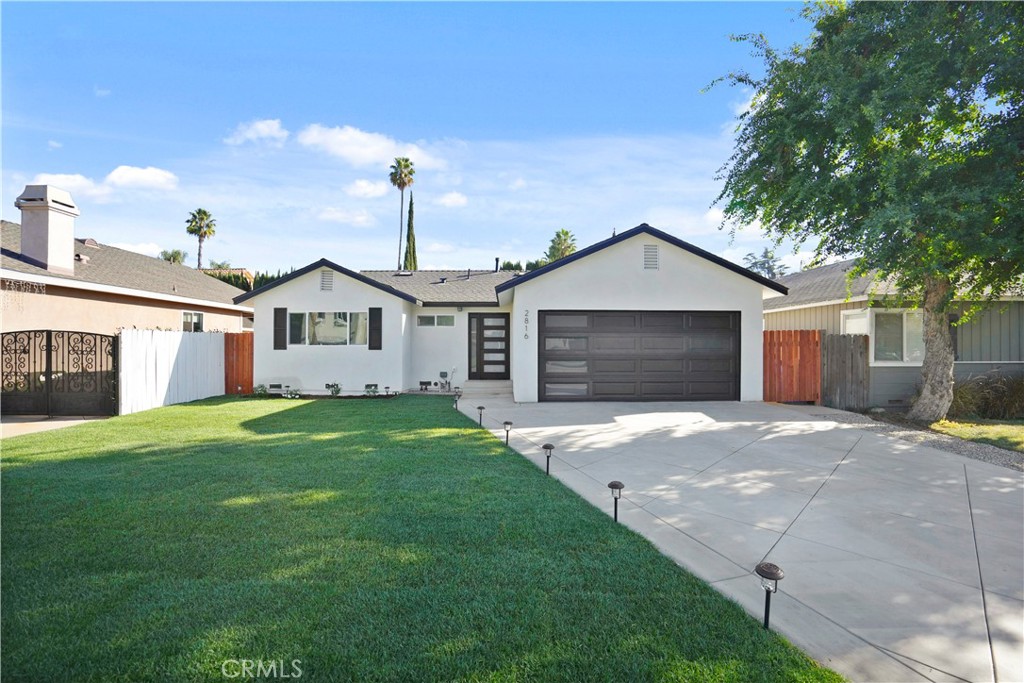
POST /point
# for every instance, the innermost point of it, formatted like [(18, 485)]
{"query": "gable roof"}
[(324, 263), (446, 287), (826, 284), (112, 267), (643, 228)]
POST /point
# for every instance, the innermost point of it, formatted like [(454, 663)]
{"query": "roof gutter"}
[(122, 291)]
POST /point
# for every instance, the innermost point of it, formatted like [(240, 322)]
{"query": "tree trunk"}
[(401, 217), (199, 259), (937, 369)]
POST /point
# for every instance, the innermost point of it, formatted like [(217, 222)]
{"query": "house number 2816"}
[(526, 324)]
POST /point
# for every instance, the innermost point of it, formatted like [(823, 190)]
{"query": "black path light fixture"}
[(770, 574), (508, 428), (458, 395), (387, 391), (481, 410), (616, 487), (547, 452)]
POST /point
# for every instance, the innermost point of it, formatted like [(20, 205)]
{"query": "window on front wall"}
[(898, 336), (435, 321), (328, 328), (191, 321)]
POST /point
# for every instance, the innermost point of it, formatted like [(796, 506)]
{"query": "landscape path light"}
[(616, 487), (458, 395), (547, 451), (508, 428), (481, 409), (770, 574)]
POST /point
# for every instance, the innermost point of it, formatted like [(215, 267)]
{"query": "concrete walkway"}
[(903, 563), (16, 425)]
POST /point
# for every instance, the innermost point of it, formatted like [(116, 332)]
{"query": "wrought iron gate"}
[(54, 372)]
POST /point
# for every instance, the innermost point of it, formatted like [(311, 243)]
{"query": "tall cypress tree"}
[(410, 262)]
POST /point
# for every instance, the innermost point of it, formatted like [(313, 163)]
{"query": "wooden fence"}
[(161, 368), (238, 363), (845, 379), (792, 366)]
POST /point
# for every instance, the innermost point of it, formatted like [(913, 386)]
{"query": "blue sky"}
[(282, 120)]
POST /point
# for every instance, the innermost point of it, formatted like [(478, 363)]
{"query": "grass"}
[(1008, 434), (371, 540)]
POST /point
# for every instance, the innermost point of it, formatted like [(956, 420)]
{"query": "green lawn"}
[(372, 540), (1007, 434)]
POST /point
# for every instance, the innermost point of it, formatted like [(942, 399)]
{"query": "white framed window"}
[(328, 328), (435, 321), (895, 335), (191, 321)]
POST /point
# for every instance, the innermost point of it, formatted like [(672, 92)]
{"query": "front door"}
[(488, 346)]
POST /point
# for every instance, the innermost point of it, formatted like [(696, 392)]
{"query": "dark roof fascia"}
[(463, 304), (643, 228), (324, 263)]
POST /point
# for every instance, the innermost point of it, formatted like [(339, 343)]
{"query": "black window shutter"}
[(375, 329), (280, 328)]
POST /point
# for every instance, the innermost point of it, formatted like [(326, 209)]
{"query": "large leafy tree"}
[(410, 262), (895, 135), (174, 255), (401, 176), (203, 226), (767, 264), (562, 244)]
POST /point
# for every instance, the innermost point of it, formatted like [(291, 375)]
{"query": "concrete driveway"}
[(903, 563)]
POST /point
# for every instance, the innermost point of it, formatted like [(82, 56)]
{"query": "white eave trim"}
[(816, 304), (123, 291)]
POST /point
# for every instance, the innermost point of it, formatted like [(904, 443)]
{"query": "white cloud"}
[(265, 130), (367, 189), (100, 92), (452, 199), (361, 149), (360, 218), (437, 248), (517, 184), (74, 183), (147, 248), (149, 178), (53, 144)]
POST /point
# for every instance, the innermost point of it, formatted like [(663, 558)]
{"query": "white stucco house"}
[(638, 317)]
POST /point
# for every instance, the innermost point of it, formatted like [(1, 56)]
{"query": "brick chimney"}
[(48, 228)]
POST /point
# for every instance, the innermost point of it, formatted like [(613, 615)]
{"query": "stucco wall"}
[(614, 279), (307, 368), (442, 348), (63, 308)]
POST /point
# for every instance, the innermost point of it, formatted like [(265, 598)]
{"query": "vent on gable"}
[(326, 280), (650, 257)]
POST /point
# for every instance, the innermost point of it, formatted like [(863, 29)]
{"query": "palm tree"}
[(201, 224), (562, 244), (174, 255), (411, 262), (401, 177)]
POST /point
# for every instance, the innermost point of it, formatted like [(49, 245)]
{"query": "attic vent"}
[(82, 258), (90, 242), (326, 280), (650, 257), (404, 273)]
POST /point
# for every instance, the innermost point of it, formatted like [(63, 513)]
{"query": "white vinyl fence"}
[(159, 368)]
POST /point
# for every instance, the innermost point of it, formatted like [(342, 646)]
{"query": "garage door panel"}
[(615, 344), (638, 355), (609, 389), (610, 365)]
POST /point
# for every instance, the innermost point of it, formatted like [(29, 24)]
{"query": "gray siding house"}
[(823, 299)]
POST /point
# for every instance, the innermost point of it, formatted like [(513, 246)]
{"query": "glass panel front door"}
[(488, 346)]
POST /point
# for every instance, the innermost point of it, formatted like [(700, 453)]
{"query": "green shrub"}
[(260, 390), (991, 397)]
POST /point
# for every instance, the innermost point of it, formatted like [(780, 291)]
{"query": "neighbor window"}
[(435, 321), (899, 336), (191, 321), (328, 328)]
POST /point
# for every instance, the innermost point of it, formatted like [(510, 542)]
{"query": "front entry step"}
[(487, 387)]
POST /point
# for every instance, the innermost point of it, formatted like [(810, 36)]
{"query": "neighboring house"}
[(50, 280), (823, 299), (640, 316)]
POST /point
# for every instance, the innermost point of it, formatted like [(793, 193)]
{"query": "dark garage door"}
[(639, 355)]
